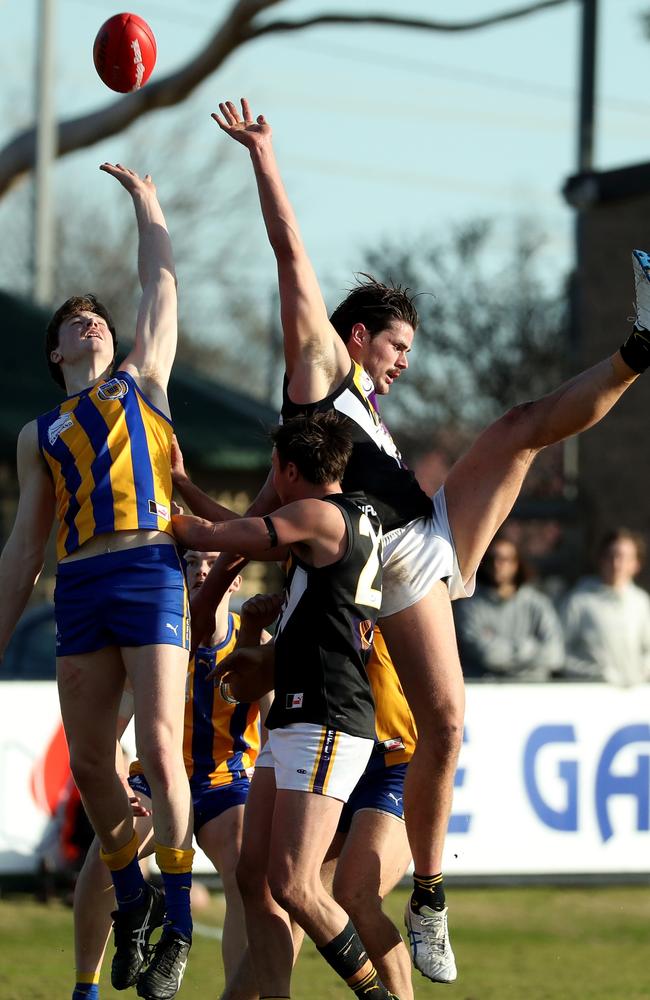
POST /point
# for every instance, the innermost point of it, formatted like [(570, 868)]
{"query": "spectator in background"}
[(508, 631), (607, 617)]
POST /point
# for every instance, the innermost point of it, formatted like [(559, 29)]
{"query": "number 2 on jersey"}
[(367, 594)]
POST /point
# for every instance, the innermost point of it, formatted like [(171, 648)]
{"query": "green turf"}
[(511, 944)]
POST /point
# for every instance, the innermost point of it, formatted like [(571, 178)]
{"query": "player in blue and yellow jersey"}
[(100, 465), (221, 743)]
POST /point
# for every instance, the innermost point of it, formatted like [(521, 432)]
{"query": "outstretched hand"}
[(251, 132), (129, 179)]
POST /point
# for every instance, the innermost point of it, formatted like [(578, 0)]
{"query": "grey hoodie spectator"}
[(508, 631)]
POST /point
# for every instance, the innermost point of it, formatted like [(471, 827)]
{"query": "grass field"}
[(511, 944)]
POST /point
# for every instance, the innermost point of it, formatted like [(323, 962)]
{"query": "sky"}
[(381, 133)]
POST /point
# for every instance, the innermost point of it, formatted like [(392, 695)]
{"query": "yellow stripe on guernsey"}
[(394, 723), (108, 449)]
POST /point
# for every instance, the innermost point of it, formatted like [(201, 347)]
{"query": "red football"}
[(124, 52)]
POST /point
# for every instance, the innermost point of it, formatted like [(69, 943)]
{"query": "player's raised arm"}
[(156, 333), (316, 358), (22, 558)]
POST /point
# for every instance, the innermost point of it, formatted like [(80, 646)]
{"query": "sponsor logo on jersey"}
[(395, 743), (366, 382), (116, 388), (295, 700), (159, 509), (61, 424)]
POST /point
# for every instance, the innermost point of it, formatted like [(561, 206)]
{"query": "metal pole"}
[(46, 138), (585, 158), (587, 85)]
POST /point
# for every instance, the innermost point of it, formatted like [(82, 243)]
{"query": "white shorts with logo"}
[(311, 758), (417, 556)]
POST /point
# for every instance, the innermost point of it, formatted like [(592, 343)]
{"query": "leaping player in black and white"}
[(321, 724)]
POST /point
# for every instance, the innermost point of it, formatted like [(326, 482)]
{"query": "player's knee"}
[(518, 425), (354, 898), (161, 763), (443, 740), (250, 879), (291, 893), (91, 767)]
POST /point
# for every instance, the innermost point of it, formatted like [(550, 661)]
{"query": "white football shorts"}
[(417, 556), (311, 758)]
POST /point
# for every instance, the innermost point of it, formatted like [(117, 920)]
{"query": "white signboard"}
[(552, 779)]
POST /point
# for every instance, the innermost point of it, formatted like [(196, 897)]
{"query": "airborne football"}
[(124, 52)]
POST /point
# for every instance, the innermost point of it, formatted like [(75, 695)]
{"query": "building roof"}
[(218, 427), (597, 186)]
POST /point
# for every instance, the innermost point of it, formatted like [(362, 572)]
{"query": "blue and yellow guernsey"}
[(396, 735), (108, 450), (220, 740)]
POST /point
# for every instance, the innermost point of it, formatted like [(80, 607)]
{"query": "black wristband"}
[(636, 350), (270, 527)]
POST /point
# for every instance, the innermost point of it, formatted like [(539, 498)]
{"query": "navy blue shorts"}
[(381, 789), (209, 802), (133, 597)]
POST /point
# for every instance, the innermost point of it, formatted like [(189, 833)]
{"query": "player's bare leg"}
[(268, 925), (369, 861), (304, 825), (221, 839), (422, 644), (94, 900), (86, 682), (483, 485), (157, 674)]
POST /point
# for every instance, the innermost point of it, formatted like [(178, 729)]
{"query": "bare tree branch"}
[(421, 24), (18, 155)]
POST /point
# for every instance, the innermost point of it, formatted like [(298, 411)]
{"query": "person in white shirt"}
[(607, 617)]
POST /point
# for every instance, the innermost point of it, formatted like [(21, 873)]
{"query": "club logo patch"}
[(115, 388), (295, 700), (366, 633), (61, 424)]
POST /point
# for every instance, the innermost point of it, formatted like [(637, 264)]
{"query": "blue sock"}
[(129, 885), (178, 916), (86, 991)]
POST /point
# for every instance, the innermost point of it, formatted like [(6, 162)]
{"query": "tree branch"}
[(421, 24), (18, 155)]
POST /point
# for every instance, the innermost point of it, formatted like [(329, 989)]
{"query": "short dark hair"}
[(619, 535), (485, 571), (319, 445), (75, 304), (375, 305)]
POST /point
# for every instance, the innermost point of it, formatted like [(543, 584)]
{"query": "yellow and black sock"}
[(428, 890)]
